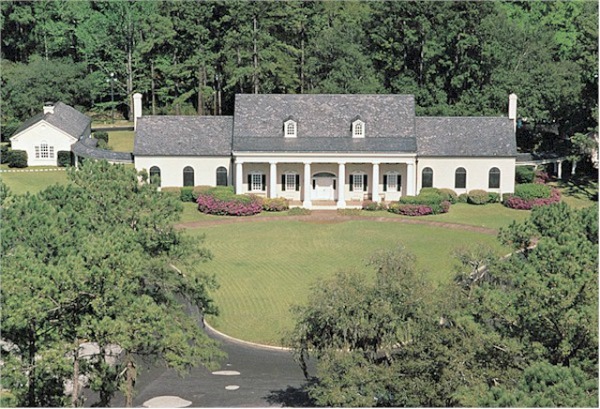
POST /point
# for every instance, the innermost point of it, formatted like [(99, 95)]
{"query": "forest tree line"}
[(192, 57)]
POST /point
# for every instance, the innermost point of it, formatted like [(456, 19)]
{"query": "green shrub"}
[(370, 205), (17, 159), (449, 195), (528, 191), (463, 198), (278, 204), (478, 197), (3, 153), (493, 197), (187, 194), (64, 158), (299, 211), (431, 198), (101, 136), (524, 174), (200, 189), (172, 190)]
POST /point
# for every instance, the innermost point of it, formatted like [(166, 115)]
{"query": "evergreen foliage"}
[(98, 261)]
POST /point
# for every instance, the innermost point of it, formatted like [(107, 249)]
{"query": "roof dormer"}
[(358, 128), (290, 128)]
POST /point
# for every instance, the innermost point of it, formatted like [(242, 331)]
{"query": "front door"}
[(323, 188)]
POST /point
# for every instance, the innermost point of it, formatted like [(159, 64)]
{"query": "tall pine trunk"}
[(255, 53), (75, 394), (130, 374)]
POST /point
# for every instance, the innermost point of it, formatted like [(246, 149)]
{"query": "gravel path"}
[(332, 216)]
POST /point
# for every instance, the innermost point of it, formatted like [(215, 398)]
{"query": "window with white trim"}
[(37, 152), (43, 150), (358, 182), (290, 129), (256, 182), (392, 182), (358, 129), (290, 181)]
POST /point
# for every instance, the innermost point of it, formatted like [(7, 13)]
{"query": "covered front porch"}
[(326, 183)]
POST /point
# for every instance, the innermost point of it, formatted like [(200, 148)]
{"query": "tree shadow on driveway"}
[(292, 397)]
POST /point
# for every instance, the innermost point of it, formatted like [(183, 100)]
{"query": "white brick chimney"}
[(512, 109), (48, 108), (137, 108)]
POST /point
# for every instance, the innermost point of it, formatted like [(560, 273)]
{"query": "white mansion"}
[(329, 150)]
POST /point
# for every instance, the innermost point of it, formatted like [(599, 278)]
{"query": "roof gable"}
[(64, 118)]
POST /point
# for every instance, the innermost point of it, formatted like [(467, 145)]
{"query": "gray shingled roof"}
[(465, 136), (87, 148), (65, 118), (324, 116), (316, 144), (183, 136)]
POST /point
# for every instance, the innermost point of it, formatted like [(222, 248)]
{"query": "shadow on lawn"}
[(584, 187)]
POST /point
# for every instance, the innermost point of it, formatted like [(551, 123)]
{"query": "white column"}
[(307, 203), (239, 177), (273, 180), (341, 185), (559, 169), (375, 183), (410, 179)]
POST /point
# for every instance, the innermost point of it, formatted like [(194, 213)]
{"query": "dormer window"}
[(290, 129), (358, 129)]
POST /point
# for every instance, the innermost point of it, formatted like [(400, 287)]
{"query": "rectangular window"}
[(44, 151), (37, 152), (290, 181), (392, 182), (358, 183), (257, 182), (51, 150)]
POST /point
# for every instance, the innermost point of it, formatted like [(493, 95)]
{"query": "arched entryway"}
[(324, 185)]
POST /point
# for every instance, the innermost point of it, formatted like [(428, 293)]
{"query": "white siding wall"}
[(477, 173), (171, 168), (34, 136)]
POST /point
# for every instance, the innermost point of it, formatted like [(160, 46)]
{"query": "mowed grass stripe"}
[(265, 268)]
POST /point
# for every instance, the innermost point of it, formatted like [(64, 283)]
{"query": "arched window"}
[(358, 129), (460, 178), (155, 175), (221, 176), (289, 129), (427, 177), (494, 178), (188, 176)]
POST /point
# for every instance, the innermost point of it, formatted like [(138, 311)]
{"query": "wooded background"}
[(192, 57)]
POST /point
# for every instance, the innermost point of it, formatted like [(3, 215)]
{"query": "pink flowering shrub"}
[(516, 202), (217, 203), (541, 177)]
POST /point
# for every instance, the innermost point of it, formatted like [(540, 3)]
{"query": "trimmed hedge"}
[(64, 158), (372, 206), (478, 197), (275, 205), (428, 201), (450, 195), (530, 195), (528, 191), (17, 159), (299, 211), (101, 136), (223, 201), (187, 194), (524, 174)]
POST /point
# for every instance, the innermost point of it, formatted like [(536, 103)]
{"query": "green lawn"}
[(121, 141), (33, 182), (265, 268)]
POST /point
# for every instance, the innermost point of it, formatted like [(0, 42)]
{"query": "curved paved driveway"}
[(266, 377)]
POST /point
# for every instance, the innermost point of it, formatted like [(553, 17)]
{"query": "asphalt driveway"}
[(249, 377)]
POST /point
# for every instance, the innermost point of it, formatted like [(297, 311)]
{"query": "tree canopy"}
[(98, 261), (520, 331), (457, 58)]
